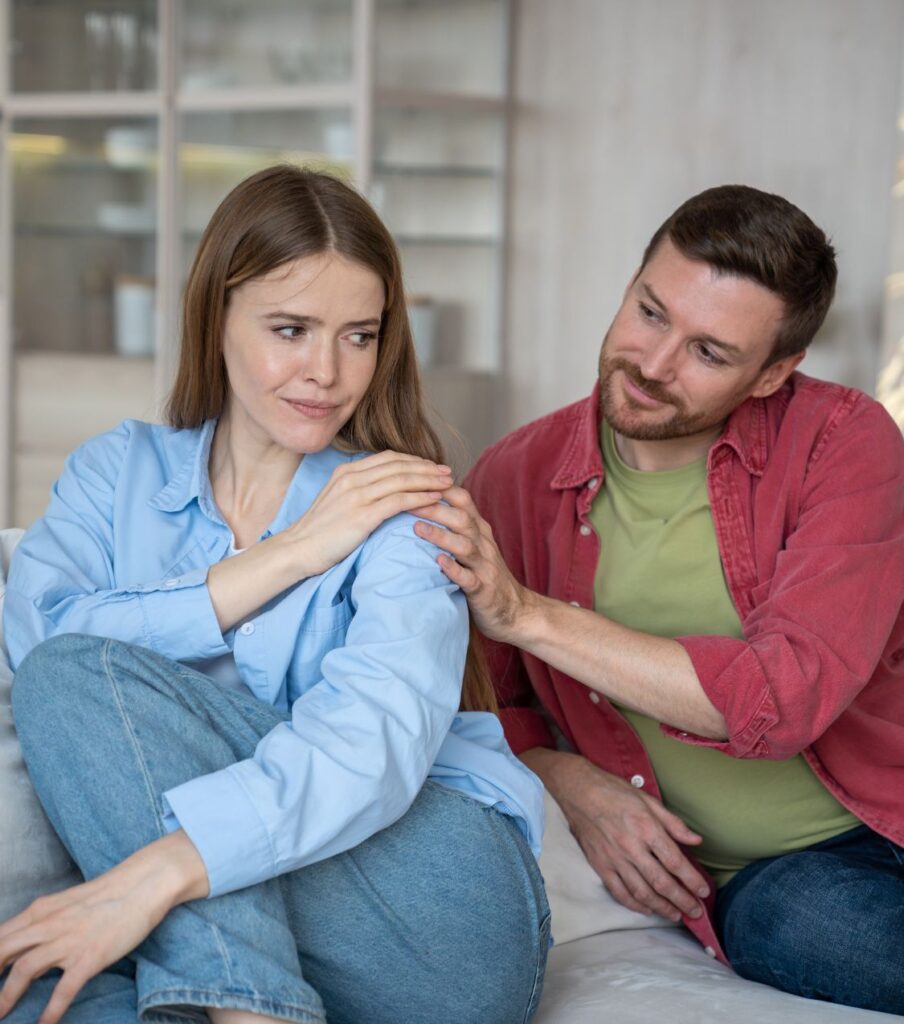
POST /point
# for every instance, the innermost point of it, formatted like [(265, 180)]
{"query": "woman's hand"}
[(84, 929), (357, 498)]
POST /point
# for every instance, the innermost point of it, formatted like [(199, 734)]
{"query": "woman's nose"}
[(320, 363)]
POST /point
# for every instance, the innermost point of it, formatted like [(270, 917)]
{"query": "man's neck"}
[(657, 456)]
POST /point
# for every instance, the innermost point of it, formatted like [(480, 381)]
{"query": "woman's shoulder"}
[(134, 440)]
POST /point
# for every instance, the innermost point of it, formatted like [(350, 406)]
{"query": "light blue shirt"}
[(369, 655)]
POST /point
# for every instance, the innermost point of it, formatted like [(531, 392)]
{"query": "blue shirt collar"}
[(191, 481)]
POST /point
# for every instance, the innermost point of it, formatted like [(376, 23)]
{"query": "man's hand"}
[(495, 597), (628, 837)]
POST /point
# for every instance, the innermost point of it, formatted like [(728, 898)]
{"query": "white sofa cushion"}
[(32, 859), (579, 903), (639, 977)]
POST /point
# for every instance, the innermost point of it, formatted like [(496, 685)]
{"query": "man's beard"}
[(680, 424)]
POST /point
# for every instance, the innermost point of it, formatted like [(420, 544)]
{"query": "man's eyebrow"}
[(709, 339), (296, 318)]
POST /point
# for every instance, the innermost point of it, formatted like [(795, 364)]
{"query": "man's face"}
[(687, 346)]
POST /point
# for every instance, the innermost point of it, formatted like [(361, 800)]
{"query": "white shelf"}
[(437, 156)]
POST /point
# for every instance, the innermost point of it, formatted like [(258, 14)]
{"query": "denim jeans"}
[(826, 922), (107, 999), (439, 919)]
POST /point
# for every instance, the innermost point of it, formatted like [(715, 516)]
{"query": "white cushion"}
[(662, 974), (579, 902), (32, 859)]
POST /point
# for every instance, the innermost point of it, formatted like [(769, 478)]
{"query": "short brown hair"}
[(276, 216), (742, 231)]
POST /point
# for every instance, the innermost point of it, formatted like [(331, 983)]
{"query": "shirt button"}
[(585, 530), (593, 483), (594, 696), (709, 951), (247, 629), (637, 781), (169, 584)]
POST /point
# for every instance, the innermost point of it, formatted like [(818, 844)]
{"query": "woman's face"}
[(300, 346)]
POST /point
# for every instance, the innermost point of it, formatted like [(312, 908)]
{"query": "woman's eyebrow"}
[(303, 319)]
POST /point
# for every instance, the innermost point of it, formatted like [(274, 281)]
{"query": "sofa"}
[(608, 963)]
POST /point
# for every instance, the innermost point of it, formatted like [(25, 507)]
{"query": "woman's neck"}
[(249, 477)]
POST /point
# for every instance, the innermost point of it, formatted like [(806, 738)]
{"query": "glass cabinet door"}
[(84, 234), (218, 149), (83, 45), (234, 43), (452, 48)]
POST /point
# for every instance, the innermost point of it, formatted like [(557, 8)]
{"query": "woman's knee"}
[(53, 674)]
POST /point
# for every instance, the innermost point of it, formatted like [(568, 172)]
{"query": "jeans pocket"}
[(542, 954)]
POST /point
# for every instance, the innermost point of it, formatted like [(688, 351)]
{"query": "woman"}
[(249, 682)]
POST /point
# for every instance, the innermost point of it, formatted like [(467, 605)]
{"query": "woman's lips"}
[(313, 410)]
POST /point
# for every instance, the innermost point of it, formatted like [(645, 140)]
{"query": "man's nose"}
[(660, 360)]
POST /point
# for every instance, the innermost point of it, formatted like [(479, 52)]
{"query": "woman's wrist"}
[(171, 868)]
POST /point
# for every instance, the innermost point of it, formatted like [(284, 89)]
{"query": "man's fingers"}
[(673, 824), (616, 889), (462, 547), (460, 574), (645, 894), (678, 866)]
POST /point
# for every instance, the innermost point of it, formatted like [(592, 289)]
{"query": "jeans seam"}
[(167, 997), (139, 757), (536, 990)]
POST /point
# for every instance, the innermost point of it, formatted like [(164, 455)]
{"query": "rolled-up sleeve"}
[(818, 632), (62, 576), (360, 742)]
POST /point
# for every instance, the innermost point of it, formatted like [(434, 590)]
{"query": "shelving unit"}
[(124, 122)]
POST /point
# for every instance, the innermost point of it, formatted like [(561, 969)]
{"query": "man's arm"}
[(647, 673)]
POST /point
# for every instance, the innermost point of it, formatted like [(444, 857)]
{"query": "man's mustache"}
[(652, 387)]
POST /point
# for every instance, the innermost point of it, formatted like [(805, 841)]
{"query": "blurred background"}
[(521, 151)]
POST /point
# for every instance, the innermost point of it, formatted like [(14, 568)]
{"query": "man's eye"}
[(709, 357), (648, 313)]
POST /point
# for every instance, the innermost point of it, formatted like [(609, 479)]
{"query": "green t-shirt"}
[(660, 572)]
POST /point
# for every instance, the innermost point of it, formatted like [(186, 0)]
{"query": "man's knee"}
[(816, 924)]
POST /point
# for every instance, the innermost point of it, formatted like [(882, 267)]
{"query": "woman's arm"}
[(358, 497), (84, 929), (361, 739), (64, 579)]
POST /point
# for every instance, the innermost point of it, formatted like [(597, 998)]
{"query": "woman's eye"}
[(290, 331), (362, 338)]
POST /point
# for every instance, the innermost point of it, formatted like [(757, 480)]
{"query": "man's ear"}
[(772, 378)]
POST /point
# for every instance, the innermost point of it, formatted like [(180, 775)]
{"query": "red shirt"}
[(807, 495)]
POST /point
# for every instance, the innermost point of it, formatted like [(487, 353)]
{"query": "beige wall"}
[(623, 108)]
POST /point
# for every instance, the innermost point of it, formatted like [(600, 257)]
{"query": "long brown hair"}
[(276, 216)]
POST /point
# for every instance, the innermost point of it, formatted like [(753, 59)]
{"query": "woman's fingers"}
[(64, 993)]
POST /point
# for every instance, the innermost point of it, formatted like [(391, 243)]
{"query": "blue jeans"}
[(439, 919), (826, 922), (107, 999)]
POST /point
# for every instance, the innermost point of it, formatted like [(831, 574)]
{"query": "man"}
[(698, 583)]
